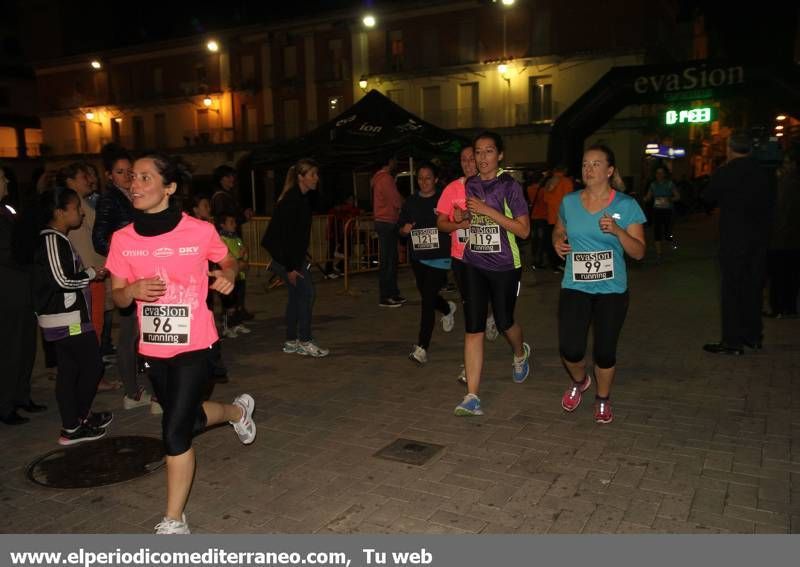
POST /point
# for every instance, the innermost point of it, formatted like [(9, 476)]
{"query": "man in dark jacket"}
[(17, 324), (746, 201)]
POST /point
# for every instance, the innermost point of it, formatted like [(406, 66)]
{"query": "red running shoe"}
[(602, 411), (572, 397)]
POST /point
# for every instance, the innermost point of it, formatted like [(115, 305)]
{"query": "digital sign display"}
[(688, 116)]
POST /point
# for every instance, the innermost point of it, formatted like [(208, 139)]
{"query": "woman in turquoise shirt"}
[(596, 227), (663, 193)]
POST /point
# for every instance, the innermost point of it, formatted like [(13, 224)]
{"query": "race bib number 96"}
[(425, 238), (592, 266), (166, 324), (485, 239)]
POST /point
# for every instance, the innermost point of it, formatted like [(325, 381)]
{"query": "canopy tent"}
[(371, 129)]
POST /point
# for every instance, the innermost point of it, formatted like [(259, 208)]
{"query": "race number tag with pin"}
[(166, 324), (425, 238), (485, 238), (593, 266)]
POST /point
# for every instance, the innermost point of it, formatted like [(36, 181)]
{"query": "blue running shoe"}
[(470, 406), (521, 367)]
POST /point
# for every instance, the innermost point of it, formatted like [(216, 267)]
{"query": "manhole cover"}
[(409, 451), (98, 463)]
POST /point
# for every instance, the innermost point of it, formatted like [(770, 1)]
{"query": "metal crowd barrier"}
[(346, 246)]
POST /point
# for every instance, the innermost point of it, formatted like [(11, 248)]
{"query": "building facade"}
[(462, 65)]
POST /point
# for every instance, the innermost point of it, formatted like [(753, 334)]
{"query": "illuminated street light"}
[(212, 46), (207, 101), (369, 21), (89, 116), (780, 117), (362, 84), (96, 64), (779, 127), (779, 134), (508, 2), (502, 68)]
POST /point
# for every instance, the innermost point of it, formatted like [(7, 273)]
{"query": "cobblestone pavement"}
[(700, 443)]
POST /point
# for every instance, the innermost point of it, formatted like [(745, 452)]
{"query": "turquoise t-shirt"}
[(662, 194), (597, 261)]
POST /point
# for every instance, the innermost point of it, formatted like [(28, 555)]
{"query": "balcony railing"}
[(523, 115), (208, 137), (459, 118)]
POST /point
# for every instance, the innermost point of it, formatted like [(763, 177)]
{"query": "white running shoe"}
[(245, 428), (229, 333), (242, 330), (168, 526), (418, 355), (449, 320), (311, 349), (141, 399), (491, 329), (290, 347)]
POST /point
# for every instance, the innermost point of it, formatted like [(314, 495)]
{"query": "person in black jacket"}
[(746, 202), (17, 322), (115, 211), (286, 239), (63, 307), (430, 258)]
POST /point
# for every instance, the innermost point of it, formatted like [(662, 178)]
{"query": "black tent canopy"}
[(371, 129)]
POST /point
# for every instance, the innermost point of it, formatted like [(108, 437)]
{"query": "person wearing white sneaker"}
[(177, 331), (287, 239), (430, 257)]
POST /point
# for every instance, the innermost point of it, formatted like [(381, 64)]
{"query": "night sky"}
[(746, 34)]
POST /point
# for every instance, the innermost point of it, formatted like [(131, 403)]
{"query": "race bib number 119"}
[(485, 239)]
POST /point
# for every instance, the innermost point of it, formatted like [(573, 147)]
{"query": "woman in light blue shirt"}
[(663, 193), (596, 227)]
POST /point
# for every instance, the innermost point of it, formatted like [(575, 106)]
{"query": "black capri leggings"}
[(662, 224), (604, 311), (180, 385), (479, 287)]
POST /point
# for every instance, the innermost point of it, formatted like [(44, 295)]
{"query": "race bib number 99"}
[(592, 266), (425, 238), (485, 239), (166, 324)]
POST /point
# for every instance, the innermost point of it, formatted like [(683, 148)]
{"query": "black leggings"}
[(429, 282), (662, 224), (604, 311), (479, 287), (79, 370), (180, 385)]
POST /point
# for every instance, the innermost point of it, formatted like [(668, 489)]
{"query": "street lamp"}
[(780, 117), (363, 84), (212, 46), (96, 64), (89, 116), (207, 102), (369, 21), (508, 2)]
